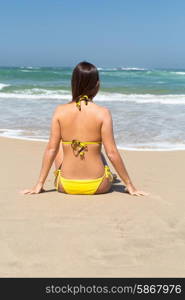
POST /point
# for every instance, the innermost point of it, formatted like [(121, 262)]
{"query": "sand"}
[(111, 235)]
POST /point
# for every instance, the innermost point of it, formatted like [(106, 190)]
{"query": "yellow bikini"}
[(80, 186)]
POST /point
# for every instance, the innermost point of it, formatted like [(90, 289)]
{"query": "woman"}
[(78, 130)]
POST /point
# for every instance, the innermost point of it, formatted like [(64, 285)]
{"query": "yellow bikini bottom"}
[(81, 186)]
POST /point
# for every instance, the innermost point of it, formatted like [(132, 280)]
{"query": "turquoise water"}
[(148, 106)]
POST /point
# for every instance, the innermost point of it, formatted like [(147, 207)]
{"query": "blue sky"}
[(142, 33)]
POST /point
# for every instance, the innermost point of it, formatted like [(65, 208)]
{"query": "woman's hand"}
[(134, 192), (37, 189)]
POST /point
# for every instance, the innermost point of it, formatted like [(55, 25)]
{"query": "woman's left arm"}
[(49, 155)]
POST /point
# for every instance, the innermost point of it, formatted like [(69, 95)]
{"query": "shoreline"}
[(108, 235), (119, 148)]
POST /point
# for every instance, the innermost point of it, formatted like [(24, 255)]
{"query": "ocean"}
[(147, 105)]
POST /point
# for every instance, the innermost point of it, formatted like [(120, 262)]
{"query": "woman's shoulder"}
[(104, 110), (61, 107)]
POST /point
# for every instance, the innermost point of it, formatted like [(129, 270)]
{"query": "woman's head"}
[(85, 80)]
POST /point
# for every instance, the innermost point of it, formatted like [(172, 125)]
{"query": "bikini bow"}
[(82, 98), (79, 148)]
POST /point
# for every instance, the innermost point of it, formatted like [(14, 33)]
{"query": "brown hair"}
[(85, 80)]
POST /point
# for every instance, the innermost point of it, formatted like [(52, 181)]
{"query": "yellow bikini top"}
[(79, 148), (82, 98)]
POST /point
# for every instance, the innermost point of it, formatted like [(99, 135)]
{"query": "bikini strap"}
[(82, 98), (88, 143), (108, 173)]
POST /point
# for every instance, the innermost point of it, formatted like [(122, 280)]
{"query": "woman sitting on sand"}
[(78, 130)]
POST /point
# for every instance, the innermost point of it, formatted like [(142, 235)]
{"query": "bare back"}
[(84, 125)]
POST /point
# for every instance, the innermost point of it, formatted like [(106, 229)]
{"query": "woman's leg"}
[(104, 186), (106, 183)]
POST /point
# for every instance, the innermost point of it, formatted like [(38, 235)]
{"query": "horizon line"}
[(106, 67)]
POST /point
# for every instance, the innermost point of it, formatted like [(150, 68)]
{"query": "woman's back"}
[(84, 126)]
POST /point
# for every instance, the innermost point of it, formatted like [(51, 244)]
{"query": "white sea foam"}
[(29, 67), (26, 71), (21, 135), (142, 98), (107, 69), (158, 146), (2, 85), (178, 73), (171, 148), (121, 68), (36, 93), (11, 132), (132, 69)]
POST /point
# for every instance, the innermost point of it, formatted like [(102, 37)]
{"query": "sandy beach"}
[(111, 235)]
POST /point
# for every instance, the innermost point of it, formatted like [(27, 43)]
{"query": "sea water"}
[(147, 105)]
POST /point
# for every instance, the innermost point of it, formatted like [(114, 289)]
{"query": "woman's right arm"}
[(113, 153)]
